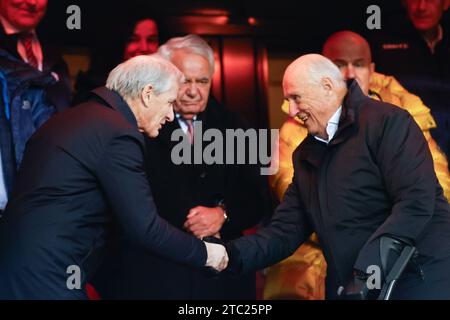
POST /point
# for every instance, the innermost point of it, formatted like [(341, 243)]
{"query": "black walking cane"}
[(396, 272), (357, 289)]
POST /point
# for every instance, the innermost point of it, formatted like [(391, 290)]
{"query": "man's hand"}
[(204, 221), (217, 256)]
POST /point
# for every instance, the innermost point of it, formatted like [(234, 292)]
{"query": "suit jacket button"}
[(203, 174)]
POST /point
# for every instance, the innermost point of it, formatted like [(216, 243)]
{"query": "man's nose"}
[(192, 89), (293, 109), (31, 2), (349, 72)]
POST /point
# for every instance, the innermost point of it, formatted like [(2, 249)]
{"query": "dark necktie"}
[(27, 41)]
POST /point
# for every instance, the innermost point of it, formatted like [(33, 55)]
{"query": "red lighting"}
[(221, 20), (252, 21)]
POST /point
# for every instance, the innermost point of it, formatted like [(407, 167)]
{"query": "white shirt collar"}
[(332, 126)]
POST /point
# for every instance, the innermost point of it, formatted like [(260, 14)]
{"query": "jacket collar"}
[(115, 101), (312, 150), (348, 122)]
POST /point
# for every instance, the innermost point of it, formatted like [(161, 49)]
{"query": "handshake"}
[(217, 254)]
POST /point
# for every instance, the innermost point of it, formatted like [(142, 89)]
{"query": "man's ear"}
[(327, 85), (146, 94)]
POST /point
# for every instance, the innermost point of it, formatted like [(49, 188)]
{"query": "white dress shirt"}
[(332, 126)]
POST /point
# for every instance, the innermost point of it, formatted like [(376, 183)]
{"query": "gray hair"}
[(191, 43), (319, 67), (130, 77)]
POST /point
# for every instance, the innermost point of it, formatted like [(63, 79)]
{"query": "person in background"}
[(416, 52), (33, 80), (135, 36)]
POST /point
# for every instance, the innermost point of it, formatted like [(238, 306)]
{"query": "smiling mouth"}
[(303, 117), (27, 11)]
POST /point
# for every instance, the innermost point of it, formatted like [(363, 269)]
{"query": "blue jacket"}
[(24, 108)]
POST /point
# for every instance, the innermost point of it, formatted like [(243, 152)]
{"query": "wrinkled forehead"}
[(191, 64), (293, 83)]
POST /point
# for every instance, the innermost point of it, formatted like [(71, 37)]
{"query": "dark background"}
[(250, 55), (284, 25)]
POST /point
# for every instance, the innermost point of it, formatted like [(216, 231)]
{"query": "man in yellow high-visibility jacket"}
[(302, 276)]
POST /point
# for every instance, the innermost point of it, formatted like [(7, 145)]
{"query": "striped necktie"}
[(27, 40), (190, 131)]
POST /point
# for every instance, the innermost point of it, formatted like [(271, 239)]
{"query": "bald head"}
[(311, 69), (314, 88), (343, 42), (351, 53)]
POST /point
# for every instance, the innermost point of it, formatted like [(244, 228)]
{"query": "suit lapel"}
[(9, 42), (49, 58)]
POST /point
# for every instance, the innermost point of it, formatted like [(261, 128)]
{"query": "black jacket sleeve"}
[(123, 179), (287, 229)]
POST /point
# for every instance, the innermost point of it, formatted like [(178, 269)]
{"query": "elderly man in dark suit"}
[(201, 199), (82, 174), (362, 177)]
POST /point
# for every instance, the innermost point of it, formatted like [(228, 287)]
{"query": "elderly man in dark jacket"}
[(363, 173), (83, 175)]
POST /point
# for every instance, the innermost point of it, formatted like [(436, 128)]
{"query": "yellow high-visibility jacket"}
[(302, 276)]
